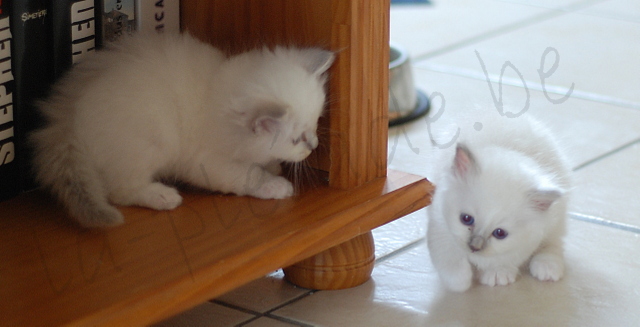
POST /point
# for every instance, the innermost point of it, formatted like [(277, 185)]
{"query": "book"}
[(75, 31), (39, 41), (123, 17), (158, 15), (118, 19), (32, 65), (9, 170), (99, 7)]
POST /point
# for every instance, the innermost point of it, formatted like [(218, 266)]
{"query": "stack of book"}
[(39, 41)]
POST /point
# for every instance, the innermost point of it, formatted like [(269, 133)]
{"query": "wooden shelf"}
[(160, 263)]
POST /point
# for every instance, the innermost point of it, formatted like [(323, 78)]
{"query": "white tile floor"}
[(597, 43)]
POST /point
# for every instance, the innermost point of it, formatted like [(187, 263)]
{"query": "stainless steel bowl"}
[(406, 103)]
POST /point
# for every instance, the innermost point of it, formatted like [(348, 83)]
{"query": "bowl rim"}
[(402, 58)]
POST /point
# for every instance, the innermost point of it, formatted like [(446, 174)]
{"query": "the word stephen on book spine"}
[(9, 172), (32, 64)]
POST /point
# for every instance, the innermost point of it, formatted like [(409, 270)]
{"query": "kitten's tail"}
[(61, 165)]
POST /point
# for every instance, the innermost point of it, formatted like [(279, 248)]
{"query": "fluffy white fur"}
[(509, 176), (158, 107)]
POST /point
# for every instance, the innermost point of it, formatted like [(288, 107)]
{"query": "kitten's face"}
[(496, 209), (289, 97), (286, 127), (489, 221), (294, 143)]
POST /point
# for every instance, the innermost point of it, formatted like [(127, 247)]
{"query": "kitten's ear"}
[(316, 61), (542, 199), (267, 119), (463, 163)]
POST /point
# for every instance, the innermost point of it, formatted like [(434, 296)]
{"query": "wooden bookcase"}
[(161, 263)]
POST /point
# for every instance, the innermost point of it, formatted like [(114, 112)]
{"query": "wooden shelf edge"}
[(412, 193), (270, 244)]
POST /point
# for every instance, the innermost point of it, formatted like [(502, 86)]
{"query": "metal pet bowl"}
[(406, 103)]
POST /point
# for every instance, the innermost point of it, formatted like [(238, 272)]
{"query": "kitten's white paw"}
[(499, 276), (274, 168), (458, 279), (458, 282), (547, 267), (159, 196), (274, 188)]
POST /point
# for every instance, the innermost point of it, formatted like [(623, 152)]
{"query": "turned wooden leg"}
[(343, 266)]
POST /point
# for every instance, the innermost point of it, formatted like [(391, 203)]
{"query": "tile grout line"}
[(295, 299), (554, 89), (268, 314), (550, 14), (244, 323), (612, 17), (235, 307), (599, 15), (604, 222), (400, 250), (288, 321), (606, 154)]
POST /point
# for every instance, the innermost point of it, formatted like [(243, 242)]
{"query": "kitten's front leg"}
[(261, 183), (275, 187), (548, 263), (274, 168), (253, 180), (451, 263), (457, 274)]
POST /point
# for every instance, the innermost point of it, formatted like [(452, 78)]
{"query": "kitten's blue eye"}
[(467, 219), (499, 233)]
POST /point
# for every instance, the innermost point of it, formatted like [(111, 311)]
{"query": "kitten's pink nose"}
[(476, 243)]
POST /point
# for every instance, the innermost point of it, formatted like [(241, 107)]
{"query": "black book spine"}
[(74, 32), (99, 8), (61, 21), (31, 28), (9, 170)]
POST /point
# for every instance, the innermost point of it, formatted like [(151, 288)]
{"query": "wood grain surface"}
[(160, 263), (345, 265)]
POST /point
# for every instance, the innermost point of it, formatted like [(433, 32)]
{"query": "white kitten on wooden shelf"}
[(500, 203), (156, 107)]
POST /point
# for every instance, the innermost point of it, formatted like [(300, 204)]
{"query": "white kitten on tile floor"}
[(500, 203)]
